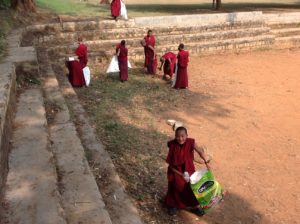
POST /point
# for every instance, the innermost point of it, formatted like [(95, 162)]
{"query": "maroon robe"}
[(149, 40), (115, 8), (76, 77), (151, 61), (123, 62), (182, 76), (170, 63), (180, 157)]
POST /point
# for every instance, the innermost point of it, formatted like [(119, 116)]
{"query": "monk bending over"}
[(168, 63), (75, 67)]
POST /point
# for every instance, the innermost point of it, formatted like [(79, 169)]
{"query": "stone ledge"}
[(7, 106), (199, 20)]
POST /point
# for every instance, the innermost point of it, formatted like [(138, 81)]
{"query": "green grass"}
[(5, 26), (92, 8)]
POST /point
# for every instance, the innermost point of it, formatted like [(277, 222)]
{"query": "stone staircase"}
[(47, 172), (212, 34), (286, 29)]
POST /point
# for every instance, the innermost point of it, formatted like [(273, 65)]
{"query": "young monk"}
[(122, 53), (168, 62), (182, 64), (115, 8), (76, 77), (150, 58), (181, 167)]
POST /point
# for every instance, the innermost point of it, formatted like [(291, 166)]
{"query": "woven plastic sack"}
[(87, 75), (123, 12), (206, 189)]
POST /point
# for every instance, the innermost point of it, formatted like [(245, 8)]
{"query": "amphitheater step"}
[(287, 42), (32, 195), (82, 200), (284, 25), (195, 48), (134, 32), (181, 38), (285, 32)]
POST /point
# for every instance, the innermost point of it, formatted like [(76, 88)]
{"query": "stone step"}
[(284, 25), (31, 189), (134, 32), (195, 48), (287, 42), (81, 198), (181, 38), (100, 45), (285, 32)]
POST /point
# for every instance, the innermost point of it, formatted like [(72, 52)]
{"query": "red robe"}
[(170, 63), (150, 40), (180, 157), (182, 76), (151, 61), (115, 8), (123, 62), (76, 77)]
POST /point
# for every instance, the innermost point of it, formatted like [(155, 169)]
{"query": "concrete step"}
[(81, 198), (195, 48), (137, 32), (287, 42), (31, 189), (284, 25), (199, 38), (285, 32), (119, 204), (181, 38)]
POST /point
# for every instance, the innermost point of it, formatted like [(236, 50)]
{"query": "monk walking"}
[(122, 53), (182, 64), (75, 67), (181, 167), (168, 63), (115, 8)]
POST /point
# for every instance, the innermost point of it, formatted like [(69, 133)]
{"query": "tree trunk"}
[(23, 5), (218, 4)]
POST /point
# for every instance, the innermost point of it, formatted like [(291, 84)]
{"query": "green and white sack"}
[(206, 189)]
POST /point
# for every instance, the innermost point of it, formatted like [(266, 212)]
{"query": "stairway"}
[(286, 35), (211, 34)]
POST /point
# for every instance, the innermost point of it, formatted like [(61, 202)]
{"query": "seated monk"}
[(168, 63), (75, 67)]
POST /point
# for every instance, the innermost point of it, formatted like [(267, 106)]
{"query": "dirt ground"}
[(245, 109)]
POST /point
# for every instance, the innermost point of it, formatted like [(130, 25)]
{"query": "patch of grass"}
[(74, 7), (5, 26)]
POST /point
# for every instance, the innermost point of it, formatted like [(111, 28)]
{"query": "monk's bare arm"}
[(118, 52), (200, 151)]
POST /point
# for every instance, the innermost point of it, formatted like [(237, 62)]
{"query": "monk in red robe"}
[(150, 55), (122, 53), (182, 64), (75, 67), (115, 8), (168, 62), (181, 167)]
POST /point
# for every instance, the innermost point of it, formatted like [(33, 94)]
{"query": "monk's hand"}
[(207, 164), (186, 176)]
